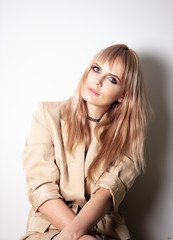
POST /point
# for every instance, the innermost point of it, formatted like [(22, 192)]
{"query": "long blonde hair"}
[(123, 129)]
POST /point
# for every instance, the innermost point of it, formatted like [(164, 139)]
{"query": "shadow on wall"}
[(140, 199)]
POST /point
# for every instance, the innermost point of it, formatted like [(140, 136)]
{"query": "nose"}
[(98, 80)]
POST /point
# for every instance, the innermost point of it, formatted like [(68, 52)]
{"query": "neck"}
[(95, 112), (93, 119)]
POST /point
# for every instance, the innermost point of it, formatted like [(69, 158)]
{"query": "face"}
[(103, 85)]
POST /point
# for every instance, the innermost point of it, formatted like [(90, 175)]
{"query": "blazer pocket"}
[(38, 223)]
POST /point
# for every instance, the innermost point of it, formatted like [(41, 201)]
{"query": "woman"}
[(83, 155)]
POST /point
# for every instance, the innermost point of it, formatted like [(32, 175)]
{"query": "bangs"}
[(114, 54)]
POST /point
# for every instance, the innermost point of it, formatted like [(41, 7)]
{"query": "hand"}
[(88, 237), (85, 237), (66, 234)]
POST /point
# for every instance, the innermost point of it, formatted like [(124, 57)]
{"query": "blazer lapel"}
[(91, 154), (74, 165), (77, 163), (93, 150)]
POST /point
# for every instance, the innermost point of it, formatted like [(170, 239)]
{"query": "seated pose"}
[(83, 154)]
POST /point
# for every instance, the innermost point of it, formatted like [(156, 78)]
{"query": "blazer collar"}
[(80, 161)]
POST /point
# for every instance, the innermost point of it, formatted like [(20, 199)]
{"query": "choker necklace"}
[(93, 119)]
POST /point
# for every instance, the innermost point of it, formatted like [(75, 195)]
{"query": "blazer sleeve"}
[(42, 173), (118, 179)]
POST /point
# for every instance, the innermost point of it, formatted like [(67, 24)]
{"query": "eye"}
[(96, 69), (112, 80)]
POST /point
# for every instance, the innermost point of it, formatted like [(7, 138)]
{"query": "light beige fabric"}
[(51, 172)]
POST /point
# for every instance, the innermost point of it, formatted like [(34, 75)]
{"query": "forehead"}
[(115, 67)]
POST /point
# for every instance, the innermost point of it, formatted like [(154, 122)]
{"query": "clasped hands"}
[(69, 234)]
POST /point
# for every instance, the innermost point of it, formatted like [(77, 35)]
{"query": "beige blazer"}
[(51, 172)]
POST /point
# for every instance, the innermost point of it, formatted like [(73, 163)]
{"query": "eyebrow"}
[(108, 73)]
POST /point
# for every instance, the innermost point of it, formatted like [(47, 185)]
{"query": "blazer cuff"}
[(42, 194), (117, 190)]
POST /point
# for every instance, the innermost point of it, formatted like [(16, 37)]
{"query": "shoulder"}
[(53, 107), (127, 170), (50, 110)]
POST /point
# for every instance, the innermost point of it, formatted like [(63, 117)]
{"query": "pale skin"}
[(102, 87)]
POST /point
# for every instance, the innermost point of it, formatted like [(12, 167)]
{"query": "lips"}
[(93, 91)]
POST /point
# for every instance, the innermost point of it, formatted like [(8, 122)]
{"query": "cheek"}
[(112, 93), (83, 87), (114, 97), (90, 77)]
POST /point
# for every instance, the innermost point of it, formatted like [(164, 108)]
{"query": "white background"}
[(44, 47)]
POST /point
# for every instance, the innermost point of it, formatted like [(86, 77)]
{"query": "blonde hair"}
[(123, 129)]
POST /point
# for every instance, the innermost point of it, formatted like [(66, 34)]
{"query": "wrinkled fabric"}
[(51, 172)]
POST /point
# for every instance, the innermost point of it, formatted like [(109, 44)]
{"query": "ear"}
[(121, 99)]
